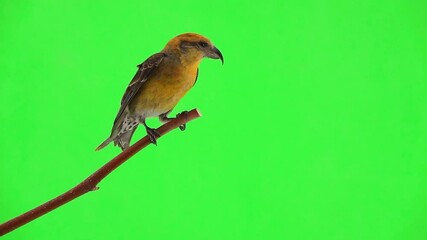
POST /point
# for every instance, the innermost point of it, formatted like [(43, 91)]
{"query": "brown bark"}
[(90, 183)]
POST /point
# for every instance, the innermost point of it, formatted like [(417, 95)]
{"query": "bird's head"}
[(192, 47)]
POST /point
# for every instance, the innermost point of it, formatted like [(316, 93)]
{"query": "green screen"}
[(314, 128)]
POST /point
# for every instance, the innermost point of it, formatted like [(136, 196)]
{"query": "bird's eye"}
[(203, 44)]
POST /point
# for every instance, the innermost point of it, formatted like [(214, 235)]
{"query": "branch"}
[(90, 183)]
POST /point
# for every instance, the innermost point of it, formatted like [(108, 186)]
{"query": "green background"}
[(314, 128)]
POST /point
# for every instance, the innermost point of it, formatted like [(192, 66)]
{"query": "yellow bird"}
[(160, 82)]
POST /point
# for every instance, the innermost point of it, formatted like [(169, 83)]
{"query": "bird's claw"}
[(185, 114), (153, 134)]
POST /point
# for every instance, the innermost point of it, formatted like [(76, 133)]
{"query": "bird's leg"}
[(152, 133), (164, 118), (185, 114)]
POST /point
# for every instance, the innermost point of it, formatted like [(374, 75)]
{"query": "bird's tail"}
[(123, 140), (115, 132), (121, 134), (104, 143)]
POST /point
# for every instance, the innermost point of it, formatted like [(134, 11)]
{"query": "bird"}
[(158, 85)]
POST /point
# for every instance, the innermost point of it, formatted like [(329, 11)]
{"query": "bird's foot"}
[(185, 115), (153, 134)]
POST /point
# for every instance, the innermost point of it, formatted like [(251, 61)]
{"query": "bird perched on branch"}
[(160, 82)]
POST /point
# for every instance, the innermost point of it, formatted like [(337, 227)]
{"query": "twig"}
[(90, 183)]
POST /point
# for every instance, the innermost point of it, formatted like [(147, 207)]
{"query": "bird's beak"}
[(216, 54)]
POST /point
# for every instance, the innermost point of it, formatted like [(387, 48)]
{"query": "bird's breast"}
[(163, 90)]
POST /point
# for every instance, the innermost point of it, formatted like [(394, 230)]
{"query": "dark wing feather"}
[(145, 70), (197, 76)]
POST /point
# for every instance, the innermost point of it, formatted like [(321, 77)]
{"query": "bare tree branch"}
[(90, 183)]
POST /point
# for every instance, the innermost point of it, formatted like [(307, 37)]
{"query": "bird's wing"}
[(197, 76), (144, 72)]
